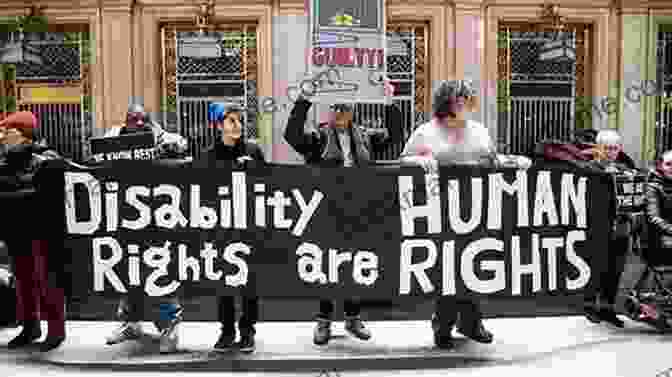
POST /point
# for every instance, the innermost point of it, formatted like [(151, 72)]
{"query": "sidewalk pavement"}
[(283, 346)]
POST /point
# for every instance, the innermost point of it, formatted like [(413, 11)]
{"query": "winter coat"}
[(571, 153), (222, 152), (33, 206), (659, 211), (322, 146)]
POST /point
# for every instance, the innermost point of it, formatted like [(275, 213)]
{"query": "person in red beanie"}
[(36, 294)]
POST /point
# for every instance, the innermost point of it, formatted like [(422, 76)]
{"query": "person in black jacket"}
[(37, 254), (231, 147), (659, 204), (339, 143), (130, 310), (600, 307)]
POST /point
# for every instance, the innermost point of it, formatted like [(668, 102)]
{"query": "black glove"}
[(244, 161), (19, 156)]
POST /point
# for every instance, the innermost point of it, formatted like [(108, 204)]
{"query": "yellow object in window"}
[(343, 20)]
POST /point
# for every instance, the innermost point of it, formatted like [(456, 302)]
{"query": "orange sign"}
[(51, 94)]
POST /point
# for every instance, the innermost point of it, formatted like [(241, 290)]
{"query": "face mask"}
[(135, 121), (665, 166)]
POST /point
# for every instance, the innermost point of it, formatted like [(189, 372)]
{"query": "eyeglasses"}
[(341, 108)]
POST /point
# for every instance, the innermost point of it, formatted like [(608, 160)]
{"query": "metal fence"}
[(65, 127), (192, 83), (532, 119), (62, 126), (663, 133), (541, 93), (401, 70)]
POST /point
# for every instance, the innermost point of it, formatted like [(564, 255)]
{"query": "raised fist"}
[(389, 89)]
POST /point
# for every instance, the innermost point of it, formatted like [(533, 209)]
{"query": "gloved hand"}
[(243, 159), (427, 163), (5, 278), (513, 161), (170, 149), (167, 147)]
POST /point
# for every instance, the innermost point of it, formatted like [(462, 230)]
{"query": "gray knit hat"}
[(450, 95)]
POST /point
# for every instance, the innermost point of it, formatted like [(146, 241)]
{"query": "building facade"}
[(102, 53)]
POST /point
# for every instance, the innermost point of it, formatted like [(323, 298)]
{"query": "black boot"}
[(322, 332), (226, 340), (477, 333), (52, 342), (443, 338), (355, 327), (609, 316), (592, 313), (30, 333), (247, 344)]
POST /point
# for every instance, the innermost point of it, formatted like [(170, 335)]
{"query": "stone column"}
[(116, 61), (634, 67), (469, 50), (290, 46), (147, 58)]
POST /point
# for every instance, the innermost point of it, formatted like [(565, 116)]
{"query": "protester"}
[(600, 307), (609, 147), (231, 147), (659, 203), (35, 254), (137, 120), (449, 138), (659, 206), (339, 142), (130, 309)]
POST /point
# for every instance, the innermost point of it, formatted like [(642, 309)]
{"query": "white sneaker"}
[(127, 331), (169, 340)]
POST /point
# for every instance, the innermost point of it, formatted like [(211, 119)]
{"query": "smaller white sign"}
[(347, 57), (202, 49)]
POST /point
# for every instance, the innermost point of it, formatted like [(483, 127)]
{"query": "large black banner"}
[(297, 231)]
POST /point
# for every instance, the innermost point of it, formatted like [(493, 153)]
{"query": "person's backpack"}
[(7, 298)]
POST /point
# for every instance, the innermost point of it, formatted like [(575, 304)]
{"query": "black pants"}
[(227, 314), (350, 308), (610, 277), (131, 307), (449, 310)]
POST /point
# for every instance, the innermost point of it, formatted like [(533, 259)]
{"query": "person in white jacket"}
[(130, 309), (137, 120), (450, 138)]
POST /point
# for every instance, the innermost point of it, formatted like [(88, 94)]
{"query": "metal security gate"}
[(663, 109), (64, 123), (190, 84), (407, 69), (542, 82)]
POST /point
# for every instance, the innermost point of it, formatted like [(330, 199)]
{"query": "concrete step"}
[(288, 346)]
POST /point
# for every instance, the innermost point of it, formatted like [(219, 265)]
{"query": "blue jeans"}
[(131, 309)]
